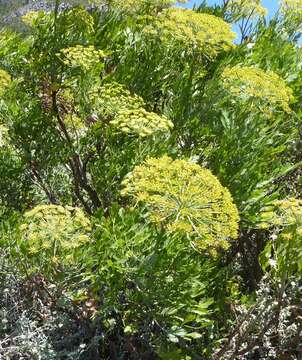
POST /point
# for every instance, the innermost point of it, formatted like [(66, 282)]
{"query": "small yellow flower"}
[(70, 259), (23, 227), (299, 231), (277, 221), (73, 122), (287, 236), (82, 239), (33, 236), (33, 250), (264, 225), (46, 245), (55, 260)]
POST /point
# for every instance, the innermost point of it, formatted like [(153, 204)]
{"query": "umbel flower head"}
[(54, 230), (126, 112), (133, 6), (78, 18), (246, 8), (292, 8), (81, 56), (284, 218), (251, 83), (5, 80), (74, 123), (141, 122), (207, 33), (3, 135), (185, 198), (113, 97), (282, 214), (32, 18)]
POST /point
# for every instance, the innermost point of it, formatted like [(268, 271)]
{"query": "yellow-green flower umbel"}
[(5, 80), (32, 18), (206, 33), (141, 122), (185, 198), (284, 219), (282, 214), (54, 231), (246, 8), (251, 83), (3, 135), (126, 112), (132, 6), (113, 97), (81, 56), (292, 8)]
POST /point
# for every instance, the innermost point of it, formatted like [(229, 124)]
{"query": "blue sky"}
[(272, 5)]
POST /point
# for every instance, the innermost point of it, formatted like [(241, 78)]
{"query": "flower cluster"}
[(79, 18), (126, 112), (284, 219), (283, 214), (141, 122), (81, 56), (113, 97), (132, 6), (3, 135), (254, 83), (56, 231), (292, 8), (5, 80), (185, 198), (205, 32), (246, 8), (74, 122), (31, 18), (71, 115)]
